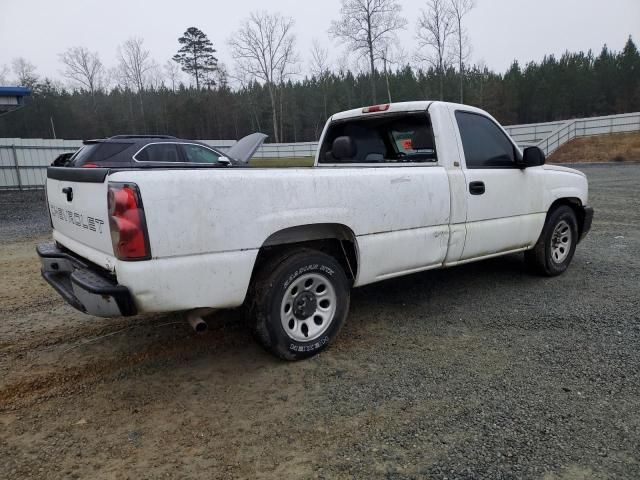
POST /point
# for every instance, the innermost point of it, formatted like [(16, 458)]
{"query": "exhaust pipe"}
[(194, 317)]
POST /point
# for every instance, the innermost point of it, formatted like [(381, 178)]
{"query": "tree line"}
[(193, 95)]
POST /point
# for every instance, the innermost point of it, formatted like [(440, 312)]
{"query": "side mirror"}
[(532, 157), (343, 148)]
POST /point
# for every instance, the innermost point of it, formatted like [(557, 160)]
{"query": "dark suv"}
[(160, 151), (137, 151)]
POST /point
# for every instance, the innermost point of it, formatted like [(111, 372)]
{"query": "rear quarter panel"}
[(190, 212), (207, 225)]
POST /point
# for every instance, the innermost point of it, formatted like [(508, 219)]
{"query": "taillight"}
[(89, 165), (376, 108), (127, 222)]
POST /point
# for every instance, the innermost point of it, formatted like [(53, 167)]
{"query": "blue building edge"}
[(12, 98), (15, 92)]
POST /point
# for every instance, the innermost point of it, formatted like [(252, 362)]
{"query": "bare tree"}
[(319, 65), (365, 25), (118, 78), (222, 76), (319, 62), (391, 55), (134, 63), (155, 75), (84, 68), (435, 27), (25, 72), (172, 73), (459, 9), (243, 82), (264, 49), (4, 74)]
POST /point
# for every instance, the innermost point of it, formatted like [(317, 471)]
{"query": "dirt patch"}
[(21, 278), (620, 147)]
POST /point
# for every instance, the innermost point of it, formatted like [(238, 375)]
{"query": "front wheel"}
[(299, 302), (554, 250)]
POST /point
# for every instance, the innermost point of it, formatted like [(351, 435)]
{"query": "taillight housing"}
[(127, 222)]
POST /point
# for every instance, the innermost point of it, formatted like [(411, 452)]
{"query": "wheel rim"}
[(308, 307), (561, 242)]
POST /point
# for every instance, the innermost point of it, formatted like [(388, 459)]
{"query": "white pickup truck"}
[(395, 189)]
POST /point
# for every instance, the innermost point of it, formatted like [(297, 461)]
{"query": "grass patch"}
[(282, 162), (618, 147)]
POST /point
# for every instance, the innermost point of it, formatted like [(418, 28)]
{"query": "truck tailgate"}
[(77, 200)]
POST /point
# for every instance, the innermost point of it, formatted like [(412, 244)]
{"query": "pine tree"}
[(629, 66), (196, 56)]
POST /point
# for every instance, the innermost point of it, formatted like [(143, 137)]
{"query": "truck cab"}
[(499, 195)]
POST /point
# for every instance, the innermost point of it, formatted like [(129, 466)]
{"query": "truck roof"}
[(386, 108), (400, 107)]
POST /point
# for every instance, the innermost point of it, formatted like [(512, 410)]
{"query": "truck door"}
[(504, 202)]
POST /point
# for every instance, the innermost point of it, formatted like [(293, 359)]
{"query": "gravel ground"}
[(477, 372), (22, 215)]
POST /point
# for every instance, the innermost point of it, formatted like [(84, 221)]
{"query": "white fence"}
[(585, 127), (23, 162), (533, 133)]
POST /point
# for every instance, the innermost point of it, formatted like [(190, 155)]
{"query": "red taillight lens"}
[(89, 165), (127, 222), (376, 108)]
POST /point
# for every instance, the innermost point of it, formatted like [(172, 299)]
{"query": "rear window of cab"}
[(389, 138)]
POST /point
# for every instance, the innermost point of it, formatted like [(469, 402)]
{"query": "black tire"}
[(277, 278), (543, 259)]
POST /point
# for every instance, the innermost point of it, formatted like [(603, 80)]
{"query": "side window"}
[(405, 138), (159, 152), (198, 154), (484, 144)]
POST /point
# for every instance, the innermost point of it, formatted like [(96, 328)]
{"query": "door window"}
[(485, 144), (159, 152), (199, 154)]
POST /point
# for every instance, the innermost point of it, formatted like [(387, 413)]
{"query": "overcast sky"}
[(500, 30)]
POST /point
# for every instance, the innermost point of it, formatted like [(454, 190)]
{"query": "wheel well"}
[(576, 205), (335, 240)]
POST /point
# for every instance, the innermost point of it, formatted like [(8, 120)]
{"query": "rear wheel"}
[(299, 302), (554, 250)]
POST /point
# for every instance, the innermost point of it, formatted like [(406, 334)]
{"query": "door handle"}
[(476, 188), (68, 191)]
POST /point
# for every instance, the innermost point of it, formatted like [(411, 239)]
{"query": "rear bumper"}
[(83, 287), (586, 222)]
